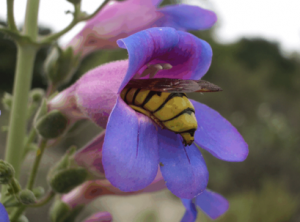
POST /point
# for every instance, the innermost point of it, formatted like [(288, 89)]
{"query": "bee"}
[(166, 103)]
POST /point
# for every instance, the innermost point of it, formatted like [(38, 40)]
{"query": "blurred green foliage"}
[(261, 89)]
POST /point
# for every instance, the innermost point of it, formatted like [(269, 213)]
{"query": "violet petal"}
[(189, 55), (211, 203), (186, 17), (183, 168), (130, 156), (216, 135), (190, 214), (3, 214)]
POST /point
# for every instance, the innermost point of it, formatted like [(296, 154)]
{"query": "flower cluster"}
[(135, 153)]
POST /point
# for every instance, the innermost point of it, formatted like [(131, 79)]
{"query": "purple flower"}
[(134, 146), (91, 190), (3, 214), (121, 19), (211, 203)]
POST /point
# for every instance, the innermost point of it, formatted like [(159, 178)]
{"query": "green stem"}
[(23, 75), (29, 140), (17, 213), (36, 164), (45, 200), (96, 11), (10, 15), (31, 19), (17, 123), (75, 20)]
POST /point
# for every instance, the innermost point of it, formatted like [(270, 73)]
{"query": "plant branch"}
[(17, 122), (10, 15), (36, 164), (17, 213), (76, 19), (96, 11), (31, 19), (28, 141), (45, 199)]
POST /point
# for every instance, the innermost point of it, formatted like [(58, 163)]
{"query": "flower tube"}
[(121, 19), (134, 146)]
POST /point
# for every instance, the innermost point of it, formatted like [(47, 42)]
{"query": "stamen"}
[(152, 69)]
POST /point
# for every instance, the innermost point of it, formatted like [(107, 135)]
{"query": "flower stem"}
[(16, 213), (45, 200), (31, 19), (75, 20), (17, 123), (36, 164), (29, 140), (10, 15), (23, 75)]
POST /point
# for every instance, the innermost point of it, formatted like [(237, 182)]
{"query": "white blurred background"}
[(275, 20)]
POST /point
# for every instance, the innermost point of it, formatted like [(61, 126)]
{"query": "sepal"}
[(64, 181), (65, 175), (52, 125)]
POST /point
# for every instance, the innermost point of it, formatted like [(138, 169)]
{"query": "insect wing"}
[(205, 86), (165, 85), (173, 85)]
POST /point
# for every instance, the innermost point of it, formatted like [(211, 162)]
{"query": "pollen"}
[(153, 69)]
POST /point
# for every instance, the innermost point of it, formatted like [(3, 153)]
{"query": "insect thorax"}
[(173, 111)]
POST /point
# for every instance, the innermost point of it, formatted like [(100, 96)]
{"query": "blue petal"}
[(189, 55), (130, 155), (216, 135), (183, 168), (211, 203), (186, 17), (156, 2), (3, 214), (190, 214)]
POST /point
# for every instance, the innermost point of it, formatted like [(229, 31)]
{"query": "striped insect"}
[(165, 102)]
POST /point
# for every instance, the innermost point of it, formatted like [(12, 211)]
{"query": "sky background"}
[(275, 20)]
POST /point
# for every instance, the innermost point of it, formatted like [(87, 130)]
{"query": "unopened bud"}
[(7, 172), (37, 95), (73, 214), (60, 65), (22, 218), (38, 192), (7, 101), (27, 197), (59, 211), (52, 125), (65, 180)]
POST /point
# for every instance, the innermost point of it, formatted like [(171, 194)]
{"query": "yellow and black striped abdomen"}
[(173, 111)]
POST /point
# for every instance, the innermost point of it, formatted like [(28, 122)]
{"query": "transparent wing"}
[(174, 85)]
